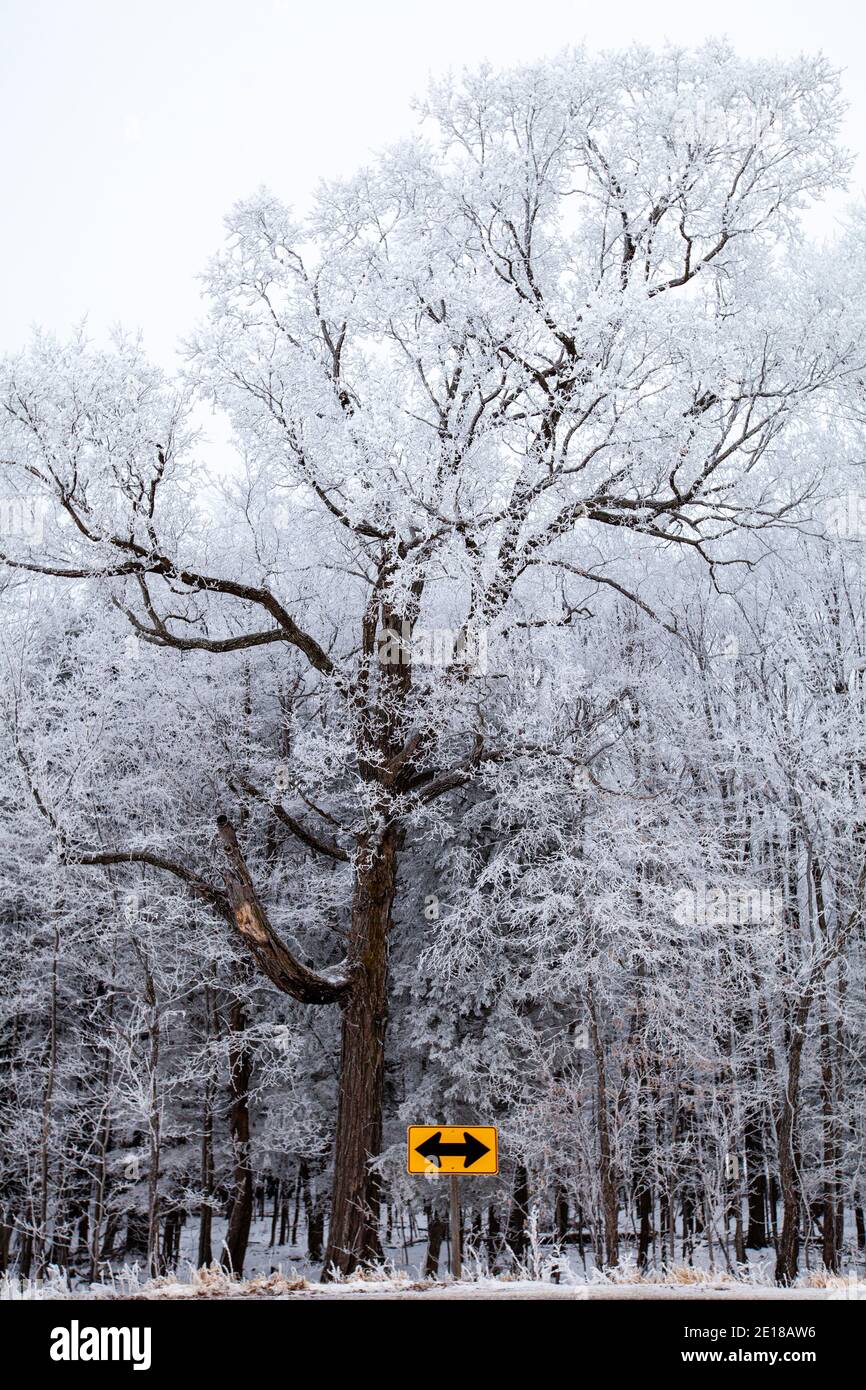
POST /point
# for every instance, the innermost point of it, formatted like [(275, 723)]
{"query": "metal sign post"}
[(455, 1227)]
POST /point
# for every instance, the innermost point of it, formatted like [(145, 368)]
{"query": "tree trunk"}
[(516, 1236), (205, 1230), (314, 1211), (275, 1214), (609, 1202), (830, 1250), (436, 1228), (494, 1236), (154, 1126), (789, 1238), (240, 1068), (644, 1192), (560, 1214), (756, 1177), (353, 1237)]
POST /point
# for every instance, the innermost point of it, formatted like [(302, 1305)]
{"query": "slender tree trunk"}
[(353, 1237), (275, 1214), (296, 1214), (494, 1237), (644, 1191), (516, 1235), (830, 1251), (48, 1094), (560, 1214), (154, 1123), (240, 1068), (315, 1223), (610, 1205), (314, 1211), (789, 1238), (205, 1229), (5, 1239), (756, 1177)]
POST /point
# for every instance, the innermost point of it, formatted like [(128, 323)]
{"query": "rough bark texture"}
[(353, 1237)]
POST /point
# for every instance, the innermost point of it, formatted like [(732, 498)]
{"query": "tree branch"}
[(272, 956)]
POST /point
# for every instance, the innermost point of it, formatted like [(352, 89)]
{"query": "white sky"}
[(131, 126)]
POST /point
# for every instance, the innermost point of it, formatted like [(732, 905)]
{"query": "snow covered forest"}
[(480, 739)]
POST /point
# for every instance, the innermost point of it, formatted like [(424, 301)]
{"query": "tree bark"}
[(205, 1230), (240, 1070), (353, 1236), (756, 1177), (516, 1236), (789, 1238), (609, 1202), (436, 1227)]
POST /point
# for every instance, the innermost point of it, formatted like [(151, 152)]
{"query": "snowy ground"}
[(284, 1272), (523, 1289), (280, 1289)]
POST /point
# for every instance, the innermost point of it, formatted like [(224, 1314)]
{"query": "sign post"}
[(455, 1227), (457, 1151)]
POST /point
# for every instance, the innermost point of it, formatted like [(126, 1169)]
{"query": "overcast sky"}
[(131, 126)]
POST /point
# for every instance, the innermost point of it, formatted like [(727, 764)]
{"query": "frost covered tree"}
[(565, 342)]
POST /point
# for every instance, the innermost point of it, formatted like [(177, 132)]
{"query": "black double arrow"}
[(470, 1150)]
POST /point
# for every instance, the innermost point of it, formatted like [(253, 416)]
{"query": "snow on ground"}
[(403, 1290), (285, 1272), (521, 1289)]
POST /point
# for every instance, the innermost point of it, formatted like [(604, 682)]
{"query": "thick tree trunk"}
[(353, 1237)]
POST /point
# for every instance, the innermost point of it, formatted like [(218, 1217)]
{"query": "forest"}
[(479, 737)]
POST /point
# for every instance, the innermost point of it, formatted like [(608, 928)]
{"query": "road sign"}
[(457, 1149)]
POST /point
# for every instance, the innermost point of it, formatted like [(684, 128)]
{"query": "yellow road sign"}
[(453, 1149)]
